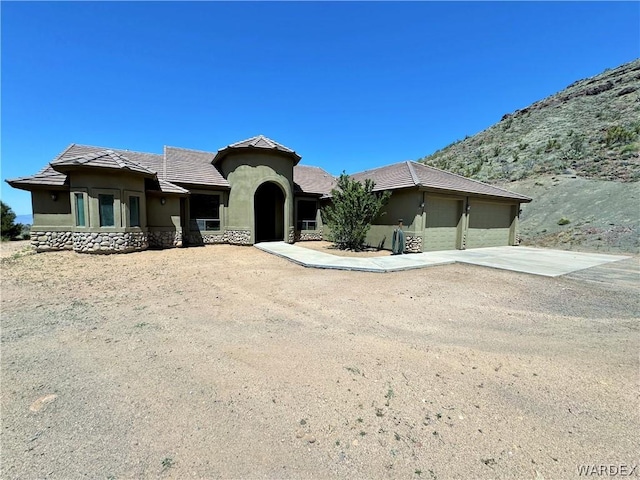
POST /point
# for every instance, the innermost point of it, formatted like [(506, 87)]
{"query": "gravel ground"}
[(227, 362)]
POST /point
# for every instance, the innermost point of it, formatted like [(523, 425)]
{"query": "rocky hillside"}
[(576, 153), (591, 128)]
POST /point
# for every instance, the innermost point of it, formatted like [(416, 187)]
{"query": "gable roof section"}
[(108, 159), (259, 142), (413, 174), (313, 180), (191, 167)]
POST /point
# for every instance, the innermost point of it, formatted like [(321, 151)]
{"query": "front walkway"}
[(536, 261)]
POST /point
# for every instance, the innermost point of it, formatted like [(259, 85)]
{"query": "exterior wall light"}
[(54, 196), (163, 200)]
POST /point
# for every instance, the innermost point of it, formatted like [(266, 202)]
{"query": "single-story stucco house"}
[(104, 200)]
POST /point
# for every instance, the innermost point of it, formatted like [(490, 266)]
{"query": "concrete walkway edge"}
[(536, 261)]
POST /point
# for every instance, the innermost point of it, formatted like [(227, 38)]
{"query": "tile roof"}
[(194, 167), (413, 174), (191, 167), (150, 161), (314, 180), (166, 187), (257, 142), (108, 159), (45, 177)]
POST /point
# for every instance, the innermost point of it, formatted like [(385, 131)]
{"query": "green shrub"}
[(564, 221), (9, 229), (551, 145), (354, 206), (619, 135)]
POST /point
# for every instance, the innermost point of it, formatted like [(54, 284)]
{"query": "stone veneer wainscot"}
[(111, 242), (46, 241)]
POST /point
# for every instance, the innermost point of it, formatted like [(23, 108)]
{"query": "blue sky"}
[(349, 86)]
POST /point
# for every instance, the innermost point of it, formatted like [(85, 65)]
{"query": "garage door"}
[(443, 224), (489, 224)]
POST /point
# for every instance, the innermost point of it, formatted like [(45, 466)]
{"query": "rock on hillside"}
[(591, 128)]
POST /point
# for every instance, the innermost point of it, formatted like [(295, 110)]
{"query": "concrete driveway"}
[(536, 261)]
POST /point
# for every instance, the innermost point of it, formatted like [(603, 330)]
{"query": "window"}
[(80, 219), (106, 211), (307, 215), (205, 211), (134, 211)]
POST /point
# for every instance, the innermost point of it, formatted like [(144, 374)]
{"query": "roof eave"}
[(475, 194), (205, 186), (65, 168), (27, 183), (223, 152)]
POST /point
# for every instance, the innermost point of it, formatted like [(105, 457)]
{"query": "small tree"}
[(9, 229), (353, 208)]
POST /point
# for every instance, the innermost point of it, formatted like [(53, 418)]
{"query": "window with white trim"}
[(205, 211), (306, 215)]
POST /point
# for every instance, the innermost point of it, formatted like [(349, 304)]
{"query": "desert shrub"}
[(354, 206), (619, 135), (564, 221), (630, 148), (551, 145)]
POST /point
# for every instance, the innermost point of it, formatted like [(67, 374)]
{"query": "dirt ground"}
[(227, 362), (328, 247)]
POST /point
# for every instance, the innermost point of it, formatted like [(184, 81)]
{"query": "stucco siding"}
[(163, 216), (403, 204), (245, 174), (50, 213)]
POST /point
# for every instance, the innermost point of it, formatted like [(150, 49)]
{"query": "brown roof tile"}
[(313, 180), (108, 159), (412, 174), (388, 177), (150, 161), (47, 177), (191, 167), (194, 167), (257, 142), (162, 186)]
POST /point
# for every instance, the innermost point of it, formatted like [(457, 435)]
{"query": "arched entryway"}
[(269, 213)]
